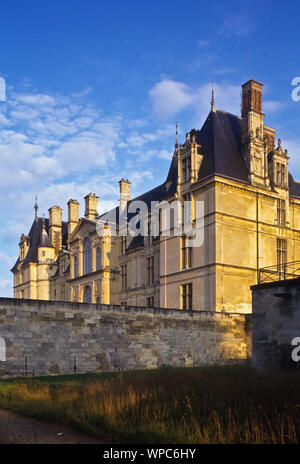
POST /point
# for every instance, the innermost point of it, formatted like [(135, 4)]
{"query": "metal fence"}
[(283, 271)]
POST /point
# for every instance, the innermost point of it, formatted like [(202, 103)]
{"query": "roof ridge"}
[(227, 112)]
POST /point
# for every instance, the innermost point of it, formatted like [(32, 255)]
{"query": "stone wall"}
[(276, 321), (45, 337)]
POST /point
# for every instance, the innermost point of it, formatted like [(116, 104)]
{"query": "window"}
[(186, 169), (22, 253), (98, 259), (281, 254), (87, 294), (280, 174), (186, 254), (75, 293), (281, 216), (123, 244), (87, 255), (187, 296), (187, 208), (150, 301), (43, 253), (2, 349), (75, 266), (150, 270), (124, 277)]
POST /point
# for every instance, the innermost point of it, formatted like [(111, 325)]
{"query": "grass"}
[(233, 404)]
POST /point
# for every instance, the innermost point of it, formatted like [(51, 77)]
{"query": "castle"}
[(251, 220)]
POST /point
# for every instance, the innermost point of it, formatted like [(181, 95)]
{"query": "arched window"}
[(98, 258), (2, 349), (87, 294), (75, 266), (87, 256)]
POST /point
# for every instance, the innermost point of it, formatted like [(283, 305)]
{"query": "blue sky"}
[(94, 90)]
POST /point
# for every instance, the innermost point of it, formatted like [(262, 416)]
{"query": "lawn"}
[(233, 404)]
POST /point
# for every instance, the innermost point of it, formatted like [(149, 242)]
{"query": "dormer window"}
[(186, 169)]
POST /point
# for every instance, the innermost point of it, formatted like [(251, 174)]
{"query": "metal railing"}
[(282, 271)]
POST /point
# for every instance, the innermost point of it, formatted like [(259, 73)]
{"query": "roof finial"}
[(44, 222), (176, 143), (36, 208), (212, 102)]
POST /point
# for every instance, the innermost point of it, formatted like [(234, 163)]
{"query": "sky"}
[(94, 90)]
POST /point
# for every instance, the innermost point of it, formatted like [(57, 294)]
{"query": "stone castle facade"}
[(251, 220)]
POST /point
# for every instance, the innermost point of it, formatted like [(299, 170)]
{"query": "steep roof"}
[(294, 187), (220, 139), (45, 239), (38, 238)]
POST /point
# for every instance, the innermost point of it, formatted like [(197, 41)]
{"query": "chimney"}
[(55, 227), (124, 193), (251, 109), (73, 215), (251, 97), (91, 206)]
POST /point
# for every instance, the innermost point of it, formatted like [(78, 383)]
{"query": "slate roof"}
[(294, 187), (220, 139), (38, 238)]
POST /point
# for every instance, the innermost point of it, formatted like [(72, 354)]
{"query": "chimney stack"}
[(73, 215), (91, 206), (124, 193), (55, 227)]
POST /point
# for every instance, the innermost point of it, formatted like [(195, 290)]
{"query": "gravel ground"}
[(22, 430)]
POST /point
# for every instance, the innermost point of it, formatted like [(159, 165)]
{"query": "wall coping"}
[(4, 301), (276, 283)]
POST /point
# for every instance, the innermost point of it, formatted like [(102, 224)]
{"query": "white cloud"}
[(169, 97), (197, 99)]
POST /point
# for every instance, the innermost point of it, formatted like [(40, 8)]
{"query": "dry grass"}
[(199, 405)]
